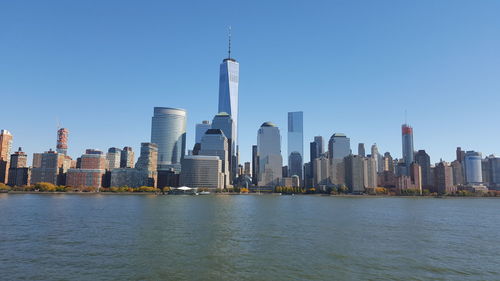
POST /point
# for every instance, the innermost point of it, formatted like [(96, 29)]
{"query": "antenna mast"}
[(229, 50)]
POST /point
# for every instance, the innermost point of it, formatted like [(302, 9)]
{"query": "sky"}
[(99, 67)]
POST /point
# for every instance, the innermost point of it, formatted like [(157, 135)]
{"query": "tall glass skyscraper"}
[(339, 147), (295, 143), (168, 131), (228, 90), (407, 133), (269, 153), (473, 171)]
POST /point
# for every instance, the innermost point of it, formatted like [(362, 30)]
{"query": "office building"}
[(388, 162), (269, 151), (148, 163), (494, 172), (370, 172), (361, 150), (458, 173), (224, 122), (228, 92), (295, 143), (215, 143), (52, 169), (424, 160), (354, 173), (201, 171), (255, 165), (19, 172), (473, 170), (321, 176), (201, 128), (379, 161), (91, 172), (168, 131), (339, 146)]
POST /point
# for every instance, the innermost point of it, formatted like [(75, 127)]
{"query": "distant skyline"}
[(100, 67)]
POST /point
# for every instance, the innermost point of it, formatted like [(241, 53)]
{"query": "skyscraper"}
[(255, 165), (379, 164), (5, 147), (228, 89), (361, 149), (473, 171), (214, 143), (113, 157), (224, 122), (354, 173), (444, 178), (168, 131), (295, 143), (62, 141), (424, 160), (127, 158), (201, 128), (19, 173), (148, 162), (269, 151), (339, 146), (407, 136)]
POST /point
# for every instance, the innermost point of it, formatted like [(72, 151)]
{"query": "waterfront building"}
[(473, 170), (201, 171), (19, 172), (458, 173), (91, 172), (495, 172), (52, 169), (486, 170), (255, 165), (113, 158), (292, 181), (215, 143), (361, 150), (370, 172), (62, 141), (247, 169), (148, 163), (228, 92), (200, 130), (354, 173), (339, 146), (5, 147), (388, 162), (37, 160), (129, 177), (224, 122), (168, 131), (321, 176), (424, 160), (443, 174), (269, 151), (127, 158), (295, 143), (378, 158), (408, 152)]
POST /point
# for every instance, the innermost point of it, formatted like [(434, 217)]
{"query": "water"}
[(132, 237)]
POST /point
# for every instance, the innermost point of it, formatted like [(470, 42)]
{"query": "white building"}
[(200, 171)]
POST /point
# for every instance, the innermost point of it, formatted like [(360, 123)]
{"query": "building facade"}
[(295, 143), (168, 131), (200, 171), (269, 151)]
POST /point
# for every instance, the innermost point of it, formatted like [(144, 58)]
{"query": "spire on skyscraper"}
[(229, 49)]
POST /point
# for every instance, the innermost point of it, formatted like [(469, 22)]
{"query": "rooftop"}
[(268, 124)]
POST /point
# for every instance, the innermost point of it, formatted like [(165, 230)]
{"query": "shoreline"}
[(244, 194)]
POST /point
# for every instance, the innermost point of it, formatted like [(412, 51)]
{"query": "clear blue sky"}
[(99, 67)]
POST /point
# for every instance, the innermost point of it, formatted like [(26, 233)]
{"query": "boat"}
[(204, 192)]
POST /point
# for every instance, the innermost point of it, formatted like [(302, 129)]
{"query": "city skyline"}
[(436, 81)]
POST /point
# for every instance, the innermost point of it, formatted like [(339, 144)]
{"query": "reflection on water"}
[(131, 237)]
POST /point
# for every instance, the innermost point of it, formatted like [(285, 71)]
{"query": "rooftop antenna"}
[(229, 51)]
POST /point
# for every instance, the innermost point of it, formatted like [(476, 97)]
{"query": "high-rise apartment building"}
[(5, 147), (295, 143), (168, 131), (91, 172), (19, 172), (269, 151), (62, 141), (407, 139), (127, 157), (114, 158), (443, 174), (52, 168)]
